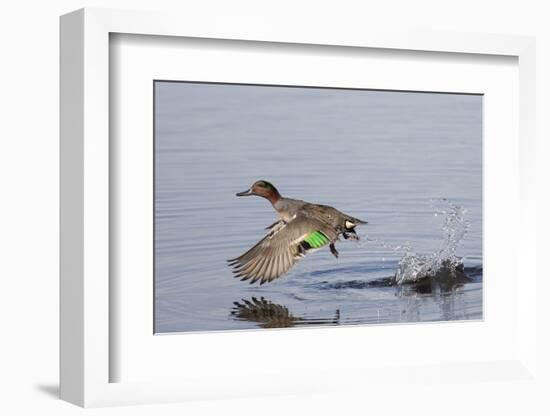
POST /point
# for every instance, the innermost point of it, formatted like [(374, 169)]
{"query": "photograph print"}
[(289, 206)]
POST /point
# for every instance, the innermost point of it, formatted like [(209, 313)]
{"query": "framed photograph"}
[(418, 258), (231, 196)]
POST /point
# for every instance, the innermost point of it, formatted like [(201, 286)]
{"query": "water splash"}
[(443, 262)]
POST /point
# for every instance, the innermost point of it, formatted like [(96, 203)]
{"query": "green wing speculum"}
[(317, 239)]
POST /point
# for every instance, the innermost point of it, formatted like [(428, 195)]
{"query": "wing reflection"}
[(272, 315)]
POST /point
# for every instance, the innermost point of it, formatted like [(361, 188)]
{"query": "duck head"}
[(264, 189)]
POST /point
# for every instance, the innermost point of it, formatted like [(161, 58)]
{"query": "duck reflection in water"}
[(445, 287), (272, 315)]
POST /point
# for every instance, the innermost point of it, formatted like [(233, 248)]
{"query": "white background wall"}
[(29, 205)]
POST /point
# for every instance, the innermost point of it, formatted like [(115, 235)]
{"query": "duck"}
[(302, 227)]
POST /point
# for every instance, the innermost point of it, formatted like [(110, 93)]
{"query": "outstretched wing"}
[(278, 251)]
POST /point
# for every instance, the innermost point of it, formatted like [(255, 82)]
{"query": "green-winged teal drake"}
[(302, 227)]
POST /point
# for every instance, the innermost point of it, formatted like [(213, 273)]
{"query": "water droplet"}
[(414, 266)]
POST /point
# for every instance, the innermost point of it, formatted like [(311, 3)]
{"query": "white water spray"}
[(414, 266)]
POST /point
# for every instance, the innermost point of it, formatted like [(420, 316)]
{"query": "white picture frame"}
[(86, 305)]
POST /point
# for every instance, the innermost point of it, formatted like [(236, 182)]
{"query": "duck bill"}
[(248, 192)]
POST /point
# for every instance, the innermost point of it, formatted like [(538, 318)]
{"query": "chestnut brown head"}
[(264, 189)]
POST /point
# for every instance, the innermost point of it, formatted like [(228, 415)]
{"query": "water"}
[(409, 163), (413, 266)]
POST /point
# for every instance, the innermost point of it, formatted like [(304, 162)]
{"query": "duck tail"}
[(355, 221)]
